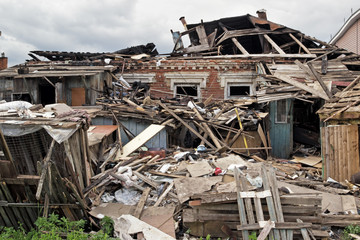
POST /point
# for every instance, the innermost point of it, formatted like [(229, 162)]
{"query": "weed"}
[(351, 229)]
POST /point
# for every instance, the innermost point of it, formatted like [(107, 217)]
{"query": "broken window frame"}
[(284, 111), (187, 85)]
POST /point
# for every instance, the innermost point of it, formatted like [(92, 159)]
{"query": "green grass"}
[(55, 228)]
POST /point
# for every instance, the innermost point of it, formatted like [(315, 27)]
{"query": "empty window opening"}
[(187, 90), (281, 111), (239, 90), (47, 94)]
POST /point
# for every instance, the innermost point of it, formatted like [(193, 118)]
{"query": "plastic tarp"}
[(15, 129), (15, 105)]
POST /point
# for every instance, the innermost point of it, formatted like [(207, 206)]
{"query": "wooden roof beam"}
[(300, 43), (278, 49)]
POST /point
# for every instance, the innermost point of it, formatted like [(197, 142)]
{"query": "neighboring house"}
[(54, 82), (348, 37)]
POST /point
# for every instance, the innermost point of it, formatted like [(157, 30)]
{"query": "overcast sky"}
[(110, 25)]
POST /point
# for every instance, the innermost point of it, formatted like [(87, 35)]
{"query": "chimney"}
[(262, 14), (3, 61), (183, 21)]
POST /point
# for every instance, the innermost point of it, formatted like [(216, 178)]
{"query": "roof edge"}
[(353, 18)]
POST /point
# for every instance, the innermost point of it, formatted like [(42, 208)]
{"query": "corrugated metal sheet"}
[(281, 134)]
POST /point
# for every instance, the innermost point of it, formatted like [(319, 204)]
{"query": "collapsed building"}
[(245, 85)]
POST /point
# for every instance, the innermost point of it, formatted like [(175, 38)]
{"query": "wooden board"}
[(340, 150), (141, 139), (77, 96)]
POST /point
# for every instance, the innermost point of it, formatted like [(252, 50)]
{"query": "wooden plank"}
[(300, 85), (248, 205), (304, 232), (319, 79), (163, 195), (263, 138), (269, 199), (278, 49), (207, 129), (141, 139), (141, 202), (284, 226), (186, 125), (45, 164), (276, 197), (202, 35), (74, 162), (300, 43), (241, 206), (44, 77), (266, 230), (235, 41)]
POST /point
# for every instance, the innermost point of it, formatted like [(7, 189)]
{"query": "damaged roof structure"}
[(246, 94)]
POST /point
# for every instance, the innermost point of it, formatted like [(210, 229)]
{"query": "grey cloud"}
[(110, 25)]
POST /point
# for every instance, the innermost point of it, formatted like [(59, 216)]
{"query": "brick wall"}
[(351, 39), (161, 86), (3, 63)]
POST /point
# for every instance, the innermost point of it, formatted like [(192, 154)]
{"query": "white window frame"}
[(286, 112), (238, 79), (188, 85), (136, 77)]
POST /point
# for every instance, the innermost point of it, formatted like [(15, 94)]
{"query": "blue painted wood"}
[(99, 120), (136, 127), (281, 134)]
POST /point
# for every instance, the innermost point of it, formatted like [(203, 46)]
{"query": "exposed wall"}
[(211, 76), (351, 38)]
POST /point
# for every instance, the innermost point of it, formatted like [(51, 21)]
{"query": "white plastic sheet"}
[(15, 129)]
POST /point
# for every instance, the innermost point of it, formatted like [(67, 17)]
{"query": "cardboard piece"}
[(199, 169), (312, 161), (159, 217), (128, 224), (186, 187)]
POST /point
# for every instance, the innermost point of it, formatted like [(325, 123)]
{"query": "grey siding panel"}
[(136, 127)]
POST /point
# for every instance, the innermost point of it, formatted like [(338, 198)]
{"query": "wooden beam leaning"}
[(278, 49), (295, 83), (186, 125), (207, 129), (236, 42), (300, 43), (319, 79), (44, 170), (44, 77)]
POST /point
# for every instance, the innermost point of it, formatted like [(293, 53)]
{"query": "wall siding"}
[(340, 151)]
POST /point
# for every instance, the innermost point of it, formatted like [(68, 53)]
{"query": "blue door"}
[(281, 128)]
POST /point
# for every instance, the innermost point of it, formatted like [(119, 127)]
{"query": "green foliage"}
[(253, 236), (351, 229), (208, 237), (57, 229), (107, 225)]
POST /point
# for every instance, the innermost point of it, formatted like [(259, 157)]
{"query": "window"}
[(236, 90), (186, 89), (281, 111), (239, 90)]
